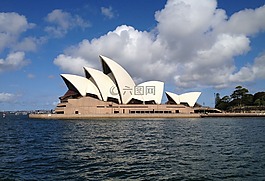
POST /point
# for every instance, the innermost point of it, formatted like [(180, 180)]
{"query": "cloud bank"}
[(107, 12), (13, 61), (7, 97), (193, 44), (61, 22), (11, 27), (14, 45)]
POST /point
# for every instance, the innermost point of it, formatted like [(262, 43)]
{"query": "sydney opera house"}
[(113, 91)]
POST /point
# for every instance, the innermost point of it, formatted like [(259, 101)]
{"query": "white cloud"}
[(189, 46), (71, 64), (107, 12), (29, 44), (184, 18), (13, 23), (130, 48), (62, 22), (250, 72), (13, 61), (214, 66), (11, 27), (259, 67), (247, 22), (7, 97)]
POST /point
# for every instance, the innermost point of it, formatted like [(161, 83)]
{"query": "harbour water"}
[(126, 149)]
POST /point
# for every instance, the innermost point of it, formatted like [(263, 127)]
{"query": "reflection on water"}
[(199, 149)]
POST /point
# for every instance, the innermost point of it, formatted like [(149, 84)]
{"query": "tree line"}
[(240, 100)]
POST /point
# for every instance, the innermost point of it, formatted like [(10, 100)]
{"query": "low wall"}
[(132, 116), (234, 115), (104, 116)]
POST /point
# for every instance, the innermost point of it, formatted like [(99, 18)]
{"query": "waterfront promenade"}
[(133, 116), (107, 116)]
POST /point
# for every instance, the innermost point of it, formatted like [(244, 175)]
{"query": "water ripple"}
[(172, 149)]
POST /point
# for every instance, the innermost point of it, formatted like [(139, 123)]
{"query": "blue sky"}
[(208, 46)]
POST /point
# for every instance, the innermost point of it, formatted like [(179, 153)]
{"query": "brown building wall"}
[(89, 105)]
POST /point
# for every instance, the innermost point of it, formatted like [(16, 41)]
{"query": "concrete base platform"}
[(108, 116), (135, 116), (233, 115)]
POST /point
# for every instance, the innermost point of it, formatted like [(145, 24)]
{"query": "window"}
[(62, 105)]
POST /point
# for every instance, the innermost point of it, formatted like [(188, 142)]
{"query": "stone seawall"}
[(233, 115), (107, 116), (135, 116)]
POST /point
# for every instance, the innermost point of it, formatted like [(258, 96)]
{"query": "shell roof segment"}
[(189, 97), (150, 91), (120, 77), (115, 82), (103, 82), (83, 85)]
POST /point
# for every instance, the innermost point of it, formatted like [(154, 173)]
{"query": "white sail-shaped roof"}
[(173, 96), (190, 97), (120, 77), (149, 91), (115, 84), (82, 85), (103, 82)]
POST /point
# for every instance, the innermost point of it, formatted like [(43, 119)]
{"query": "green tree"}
[(259, 97), (217, 99), (238, 94), (258, 102), (226, 99), (239, 98), (223, 104), (247, 100)]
